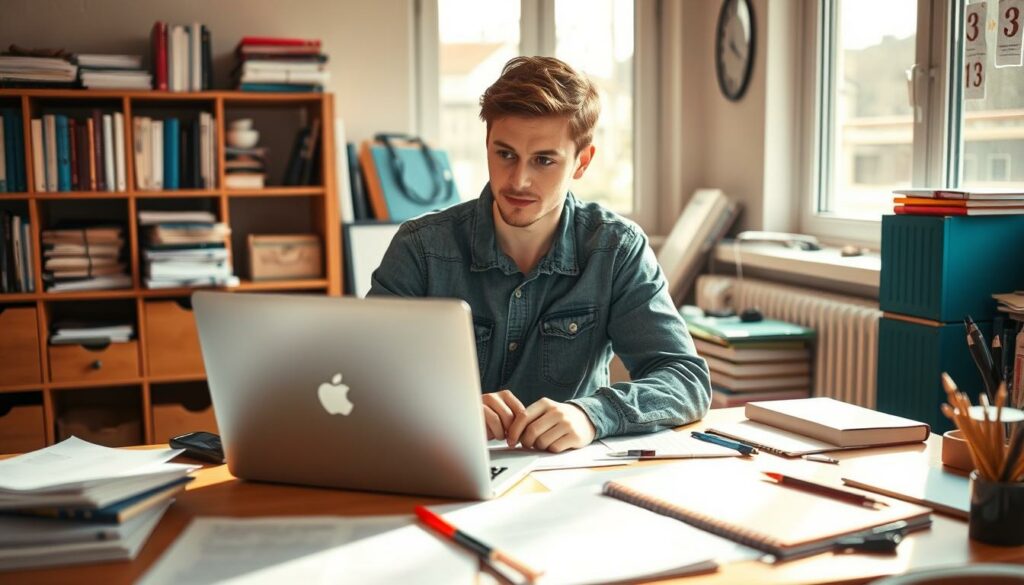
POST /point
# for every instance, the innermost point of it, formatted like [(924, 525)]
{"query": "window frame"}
[(537, 37), (936, 109)]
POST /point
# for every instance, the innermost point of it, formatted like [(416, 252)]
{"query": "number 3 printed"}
[(1012, 15), (972, 24)]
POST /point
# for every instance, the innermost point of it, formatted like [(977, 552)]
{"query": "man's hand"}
[(500, 409), (551, 426)]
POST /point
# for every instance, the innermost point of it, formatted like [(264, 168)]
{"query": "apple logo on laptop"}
[(334, 396)]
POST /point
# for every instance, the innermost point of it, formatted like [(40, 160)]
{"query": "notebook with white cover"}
[(839, 423), (911, 480)]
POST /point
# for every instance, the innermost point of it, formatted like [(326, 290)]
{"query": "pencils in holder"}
[(996, 458)]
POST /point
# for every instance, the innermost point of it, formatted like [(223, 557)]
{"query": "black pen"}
[(741, 447), (980, 355)]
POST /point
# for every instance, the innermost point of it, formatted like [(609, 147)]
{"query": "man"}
[(554, 284)]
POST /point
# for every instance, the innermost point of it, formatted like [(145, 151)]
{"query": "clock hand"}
[(732, 47)]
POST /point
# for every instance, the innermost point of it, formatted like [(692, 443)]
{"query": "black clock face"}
[(734, 47)]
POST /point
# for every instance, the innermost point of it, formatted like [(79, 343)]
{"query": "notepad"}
[(910, 479), (730, 498)]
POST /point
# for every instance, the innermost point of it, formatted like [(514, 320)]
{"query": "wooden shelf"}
[(271, 285), (276, 192), (161, 325)]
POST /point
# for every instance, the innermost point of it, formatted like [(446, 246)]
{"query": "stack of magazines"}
[(186, 249), (87, 258), (76, 502), (103, 71), (280, 64), (26, 68)]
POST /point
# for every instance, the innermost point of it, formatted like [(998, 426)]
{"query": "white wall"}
[(370, 43), (737, 146)]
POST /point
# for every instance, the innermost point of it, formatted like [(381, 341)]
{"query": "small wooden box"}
[(116, 361), (284, 257), (172, 341), (19, 346)]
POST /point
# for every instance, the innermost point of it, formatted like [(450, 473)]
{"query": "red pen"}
[(441, 526), (825, 490)]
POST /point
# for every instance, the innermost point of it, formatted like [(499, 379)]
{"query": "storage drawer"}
[(19, 346), (105, 416), (180, 409), (172, 341), (116, 361), (22, 427)]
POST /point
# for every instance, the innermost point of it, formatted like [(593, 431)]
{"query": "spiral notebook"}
[(732, 499)]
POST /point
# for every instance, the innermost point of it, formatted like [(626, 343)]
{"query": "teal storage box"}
[(911, 359), (944, 268)]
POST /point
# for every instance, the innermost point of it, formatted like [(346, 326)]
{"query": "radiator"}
[(845, 356)]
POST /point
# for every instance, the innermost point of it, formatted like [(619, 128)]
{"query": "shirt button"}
[(573, 327), (519, 293), (512, 346)]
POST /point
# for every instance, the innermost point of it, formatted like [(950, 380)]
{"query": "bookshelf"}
[(153, 386)]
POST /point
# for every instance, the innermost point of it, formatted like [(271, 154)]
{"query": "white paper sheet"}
[(74, 463), (593, 455), (670, 444), (310, 550), (576, 536)]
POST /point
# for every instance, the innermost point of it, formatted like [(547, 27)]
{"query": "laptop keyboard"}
[(496, 471)]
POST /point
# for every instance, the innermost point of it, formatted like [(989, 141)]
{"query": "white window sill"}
[(825, 268)]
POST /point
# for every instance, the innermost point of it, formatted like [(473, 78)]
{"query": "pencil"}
[(442, 527), (824, 490)]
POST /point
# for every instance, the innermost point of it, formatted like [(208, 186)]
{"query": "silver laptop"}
[(370, 394)]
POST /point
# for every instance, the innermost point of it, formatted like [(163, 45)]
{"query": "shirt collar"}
[(486, 254)]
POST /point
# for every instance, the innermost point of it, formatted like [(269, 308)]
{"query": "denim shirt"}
[(552, 332)]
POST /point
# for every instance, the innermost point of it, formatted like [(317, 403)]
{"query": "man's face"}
[(531, 162)]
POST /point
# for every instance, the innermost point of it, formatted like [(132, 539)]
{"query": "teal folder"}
[(733, 331)]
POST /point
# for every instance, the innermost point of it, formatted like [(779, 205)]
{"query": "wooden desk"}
[(216, 493)]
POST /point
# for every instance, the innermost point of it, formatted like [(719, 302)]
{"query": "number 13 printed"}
[(1009, 33), (975, 51)]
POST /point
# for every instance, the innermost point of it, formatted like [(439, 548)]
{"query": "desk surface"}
[(217, 493)]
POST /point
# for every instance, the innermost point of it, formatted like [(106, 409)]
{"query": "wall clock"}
[(734, 47)]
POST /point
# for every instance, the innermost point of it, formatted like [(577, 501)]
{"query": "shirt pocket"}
[(482, 331), (565, 345)]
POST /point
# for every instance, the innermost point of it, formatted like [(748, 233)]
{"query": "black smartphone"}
[(201, 445)]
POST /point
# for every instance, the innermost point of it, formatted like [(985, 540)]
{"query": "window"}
[(473, 40), (890, 113)]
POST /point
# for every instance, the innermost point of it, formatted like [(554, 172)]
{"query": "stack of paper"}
[(76, 502)]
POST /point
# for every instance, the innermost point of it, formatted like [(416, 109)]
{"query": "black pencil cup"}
[(997, 511)]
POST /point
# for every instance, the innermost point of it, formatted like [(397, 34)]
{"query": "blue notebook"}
[(63, 155), (732, 331), (115, 513)]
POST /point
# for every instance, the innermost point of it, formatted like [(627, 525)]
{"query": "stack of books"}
[(113, 72), (87, 258), (20, 68), (16, 271), (174, 154), (958, 202), (71, 154), (76, 502), (12, 152), (186, 249), (280, 64), (90, 333), (245, 168), (763, 360), (182, 59)]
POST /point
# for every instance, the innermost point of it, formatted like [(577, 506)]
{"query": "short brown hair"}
[(543, 86)]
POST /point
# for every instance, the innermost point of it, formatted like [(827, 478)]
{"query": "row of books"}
[(84, 258), (182, 58), (185, 249), (71, 154), (12, 152), (76, 502), (280, 64), (753, 361), (175, 154), (16, 271), (947, 202)]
